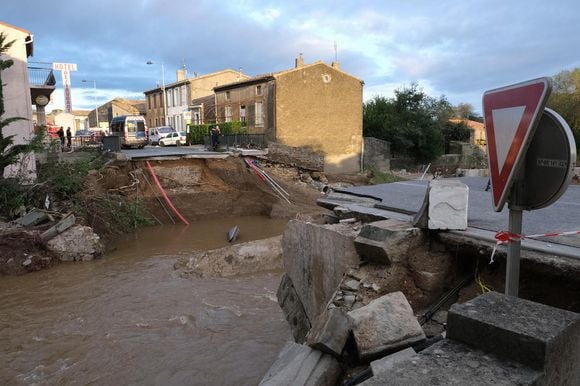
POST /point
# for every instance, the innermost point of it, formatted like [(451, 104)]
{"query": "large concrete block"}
[(451, 363), (542, 337), (330, 332), (448, 204), (315, 258), (238, 259), (385, 324), (386, 364), (293, 309), (387, 241), (300, 365)]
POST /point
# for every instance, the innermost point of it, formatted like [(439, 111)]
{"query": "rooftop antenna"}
[(335, 52)]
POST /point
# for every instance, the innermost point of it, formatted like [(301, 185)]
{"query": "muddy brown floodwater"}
[(129, 319)]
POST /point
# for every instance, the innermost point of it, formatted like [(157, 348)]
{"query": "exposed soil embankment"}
[(209, 187), (198, 188)]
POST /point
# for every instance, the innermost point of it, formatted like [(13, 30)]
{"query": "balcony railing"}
[(41, 77)]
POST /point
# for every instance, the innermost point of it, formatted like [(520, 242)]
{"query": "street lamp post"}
[(162, 91), (95, 99)]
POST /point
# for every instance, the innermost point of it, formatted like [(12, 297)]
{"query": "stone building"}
[(114, 108), (317, 106), (184, 98)]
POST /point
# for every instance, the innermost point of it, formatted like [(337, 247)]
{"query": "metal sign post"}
[(531, 154), (539, 181), (512, 273)]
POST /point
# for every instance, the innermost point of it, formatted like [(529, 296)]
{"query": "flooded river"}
[(129, 319)]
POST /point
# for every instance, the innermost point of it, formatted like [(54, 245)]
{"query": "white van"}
[(132, 129), (156, 133)]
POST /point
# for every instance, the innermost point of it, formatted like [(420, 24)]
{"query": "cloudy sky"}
[(454, 48)]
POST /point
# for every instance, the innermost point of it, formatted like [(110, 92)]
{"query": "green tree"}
[(10, 153), (455, 131), (565, 99), (411, 121), (463, 110)]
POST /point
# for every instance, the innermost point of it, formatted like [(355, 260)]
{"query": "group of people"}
[(61, 135)]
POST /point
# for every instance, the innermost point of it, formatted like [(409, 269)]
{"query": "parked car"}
[(156, 133), (84, 133), (174, 138)]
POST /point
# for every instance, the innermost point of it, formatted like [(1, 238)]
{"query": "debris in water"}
[(233, 233)]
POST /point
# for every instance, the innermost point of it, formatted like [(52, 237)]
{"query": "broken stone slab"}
[(65, 223), (387, 241), (352, 285), (297, 364), (386, 364), (349, 300), (542, 337), (448, 201), (31, 218), (316, 257), (451, 363), (385, 324), (293, 309), (238, 259), (79, 243), (330, 332)]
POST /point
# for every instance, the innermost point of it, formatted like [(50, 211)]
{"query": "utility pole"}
[(94, 99)]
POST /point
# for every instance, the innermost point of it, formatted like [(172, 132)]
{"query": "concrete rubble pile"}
[(64, 239), (330, 294), (349, 291)]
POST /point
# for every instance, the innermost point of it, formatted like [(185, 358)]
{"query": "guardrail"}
[(243, 141), (38, 76)]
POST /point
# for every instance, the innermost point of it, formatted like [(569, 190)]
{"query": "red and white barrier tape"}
[(505, 237)]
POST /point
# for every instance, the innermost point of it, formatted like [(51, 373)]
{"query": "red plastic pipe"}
[(165, 194)]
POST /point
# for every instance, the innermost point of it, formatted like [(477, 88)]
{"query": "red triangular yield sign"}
[(511, 115)]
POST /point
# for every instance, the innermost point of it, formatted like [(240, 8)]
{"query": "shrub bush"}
[(196, 133)]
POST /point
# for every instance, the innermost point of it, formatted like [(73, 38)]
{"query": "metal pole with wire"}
[(164, 98), (94, 99)]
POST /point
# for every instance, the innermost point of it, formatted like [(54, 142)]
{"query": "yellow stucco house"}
[(17, 97), (317, 106), (478, 136)]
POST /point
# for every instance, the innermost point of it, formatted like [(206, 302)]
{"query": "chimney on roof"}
[(181, 74), (335, 65), (299, 61)]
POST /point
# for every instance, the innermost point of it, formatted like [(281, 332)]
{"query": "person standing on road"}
[(215, 132), (68, 138), (60, 133)]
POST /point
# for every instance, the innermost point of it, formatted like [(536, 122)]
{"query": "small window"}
[(243, 113), (228, 96), (259, 89), (259, 112), (228, 113)]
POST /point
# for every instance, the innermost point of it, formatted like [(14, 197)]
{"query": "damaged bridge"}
[(362, 294)]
